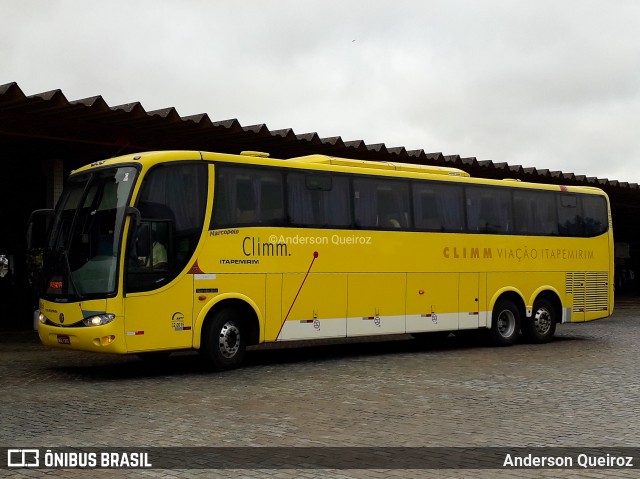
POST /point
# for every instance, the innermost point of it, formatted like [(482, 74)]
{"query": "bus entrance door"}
[(160, 319)]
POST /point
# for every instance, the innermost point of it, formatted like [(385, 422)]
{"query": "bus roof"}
[(330, 163), (380, 165)]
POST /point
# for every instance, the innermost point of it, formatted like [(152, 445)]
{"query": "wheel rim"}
[(229, 340), (506, 323), (542, 321)]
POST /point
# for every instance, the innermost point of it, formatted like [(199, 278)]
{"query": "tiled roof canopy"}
[(50, 116)]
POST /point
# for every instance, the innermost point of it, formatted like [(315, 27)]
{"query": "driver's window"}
[(151, 246), (172, 203)]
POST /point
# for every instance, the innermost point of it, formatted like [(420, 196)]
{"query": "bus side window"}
[(302, 207), (388, 215), (489, 210), (392, 206), (245, 201), (596, 219), (523, 213), (438, 206), (318, 200), (535, 212), (427, 216), (334, 207), (365, 200), (569, 216), (381, 203), (172, 203), (544, 214), (488, 221), (272, 202), (247, 196), (151, 240)]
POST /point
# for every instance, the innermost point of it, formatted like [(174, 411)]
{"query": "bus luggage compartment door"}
[(432, 302), (376, 304), (470, 315), (313, 306)]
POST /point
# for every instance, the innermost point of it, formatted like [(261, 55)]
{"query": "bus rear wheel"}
[(224, 340), (541, 326), (505, 323)]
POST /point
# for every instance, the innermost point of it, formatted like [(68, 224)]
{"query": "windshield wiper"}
[(68, 267)]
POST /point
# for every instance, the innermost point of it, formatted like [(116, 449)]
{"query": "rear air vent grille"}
[(590, 291)]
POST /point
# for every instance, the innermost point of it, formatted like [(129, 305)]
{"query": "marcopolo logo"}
[(23, 458)]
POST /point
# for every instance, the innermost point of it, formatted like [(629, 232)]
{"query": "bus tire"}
[(224, 340), (541, 326), (505, 323)]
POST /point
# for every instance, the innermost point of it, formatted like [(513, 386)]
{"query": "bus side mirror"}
[(36, 242), (37, 227)]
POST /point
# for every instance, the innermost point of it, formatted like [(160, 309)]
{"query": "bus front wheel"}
[(541, 326), (505, 323), (224, 340)]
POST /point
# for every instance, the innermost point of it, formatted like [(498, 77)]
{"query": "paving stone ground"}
[(581, 390)]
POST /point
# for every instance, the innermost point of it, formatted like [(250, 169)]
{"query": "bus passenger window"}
[(272, 202), (535, 212), (381, 203), (245, 201), (391, 214), (596, 220), (569, 216), (428, 218), (318, 200), (523, 214), (489, 210), (247, 196), (438, 206)]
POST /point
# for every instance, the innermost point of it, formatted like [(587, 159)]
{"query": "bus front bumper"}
[(109, 338)]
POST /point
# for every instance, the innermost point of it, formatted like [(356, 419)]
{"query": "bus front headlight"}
[(99, 320)]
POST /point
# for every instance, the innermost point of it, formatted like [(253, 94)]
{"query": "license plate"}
[(63, 339)]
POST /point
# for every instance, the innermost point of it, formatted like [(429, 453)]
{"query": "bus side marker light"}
[(421, 291), (202, 297)]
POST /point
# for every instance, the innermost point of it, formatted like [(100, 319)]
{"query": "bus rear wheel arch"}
[(541, 326)]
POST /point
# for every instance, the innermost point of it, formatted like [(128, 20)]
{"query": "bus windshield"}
[(80, 259)]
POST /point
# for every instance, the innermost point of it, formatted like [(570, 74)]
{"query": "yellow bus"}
[(165, 251)]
